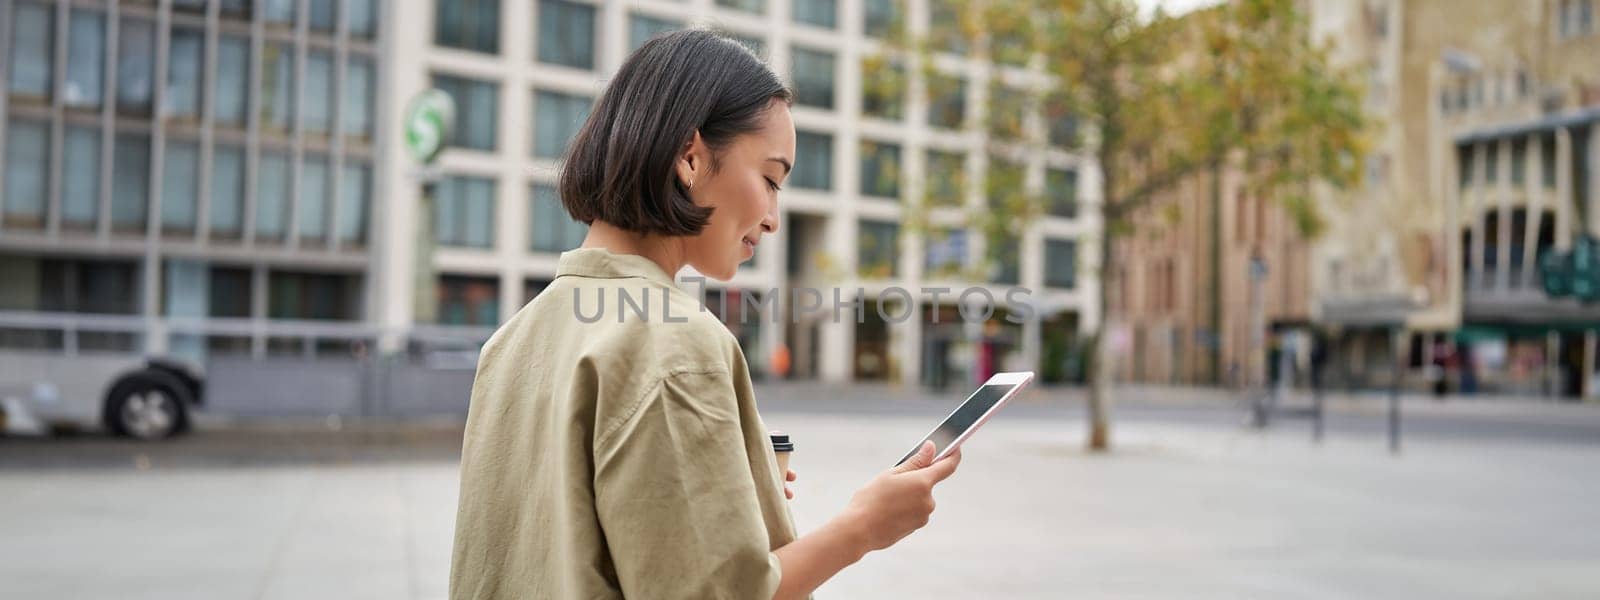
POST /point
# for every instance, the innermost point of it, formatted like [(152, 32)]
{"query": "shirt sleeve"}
[(676, 497)]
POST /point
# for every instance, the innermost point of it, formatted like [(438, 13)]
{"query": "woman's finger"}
[(790, 475), (788, 493)]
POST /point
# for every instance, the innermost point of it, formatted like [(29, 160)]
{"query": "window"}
[(1463, 166), (1061, 189), (463, 212), (81, 286), (272, 196), (279, 12), (86, 60), (130, 181), (232, 80), (183, 73), (476, 104), (1012, 46), (358, 98), (236, 8), (180, 186), (80, 194), (566, 33), (1005, 183), (1547, 156), (945, 26), (311, 222), (947, 101), (879, 17), (227, 191), (468, 25), (879, 249), (822, 13), (355, 187), (229, 291), (813, 161), (1567, 18), (946, 178), (1006, 256), (1063, 124), (880, 169), (313, 296), (32, 26), (813, 78), (1008, 109), (277, 87), (1519, 160), (1491, 168), (553, 230), (556, 120), (1567, 21), (361, 17), (469, 301), (749, 6), (322, 15), (883, 88), (27, 185), (1061, 263), (136, 59), (1581, 169), (316, 96), (945, 251), (641, 28)]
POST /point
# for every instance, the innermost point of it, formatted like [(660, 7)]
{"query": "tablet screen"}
[(970, 411)]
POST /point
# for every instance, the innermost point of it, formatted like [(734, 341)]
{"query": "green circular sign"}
[(428, 121)]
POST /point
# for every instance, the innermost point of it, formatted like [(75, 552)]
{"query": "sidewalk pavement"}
[(1177, 511), (1527, 409)]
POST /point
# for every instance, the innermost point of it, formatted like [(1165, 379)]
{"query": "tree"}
[(1240, 86)]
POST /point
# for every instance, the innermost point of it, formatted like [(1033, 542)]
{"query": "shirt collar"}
[(604, 264)]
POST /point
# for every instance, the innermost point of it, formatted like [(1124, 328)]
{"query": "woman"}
[(611, 452)]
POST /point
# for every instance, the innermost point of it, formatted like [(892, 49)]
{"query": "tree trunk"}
[(1100, 361)]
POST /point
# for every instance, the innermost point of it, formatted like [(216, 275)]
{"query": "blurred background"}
[(1317, 277)]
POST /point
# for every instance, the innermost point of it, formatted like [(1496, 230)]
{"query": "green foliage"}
[(1239, 86)]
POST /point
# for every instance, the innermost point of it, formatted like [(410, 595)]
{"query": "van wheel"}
[(145, 406)]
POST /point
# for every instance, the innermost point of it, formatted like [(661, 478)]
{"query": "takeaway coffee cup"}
[(782, 447)]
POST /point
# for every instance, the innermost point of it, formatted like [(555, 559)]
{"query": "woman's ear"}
[(693, 161)]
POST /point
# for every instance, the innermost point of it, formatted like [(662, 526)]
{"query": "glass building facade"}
[(170, 159), (257, 147)]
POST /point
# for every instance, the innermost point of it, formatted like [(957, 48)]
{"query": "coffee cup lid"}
[(781, 443)]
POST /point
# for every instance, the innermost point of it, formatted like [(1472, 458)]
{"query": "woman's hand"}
[(890, 507), (899, 500), (789, 476)]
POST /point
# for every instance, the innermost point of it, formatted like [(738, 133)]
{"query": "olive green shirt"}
[(609, 454)]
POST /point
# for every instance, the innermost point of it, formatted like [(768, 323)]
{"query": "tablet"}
[(972, 413)]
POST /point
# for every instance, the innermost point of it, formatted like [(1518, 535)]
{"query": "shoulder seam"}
[(645, 393)]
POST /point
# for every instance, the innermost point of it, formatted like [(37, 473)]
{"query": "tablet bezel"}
[(1017, 380)]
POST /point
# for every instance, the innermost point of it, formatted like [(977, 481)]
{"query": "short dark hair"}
[(619, 167)]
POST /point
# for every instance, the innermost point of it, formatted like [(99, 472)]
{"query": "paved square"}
[(1178, 511)]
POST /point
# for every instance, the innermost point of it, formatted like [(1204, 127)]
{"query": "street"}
[(1484, 501)]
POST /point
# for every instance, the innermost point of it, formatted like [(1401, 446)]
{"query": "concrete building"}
[(229, 176), (1209, 278), (1471, 96), (1199, 294), (211, 163)]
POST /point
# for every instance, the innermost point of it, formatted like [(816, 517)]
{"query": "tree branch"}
[(1141, 196)]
